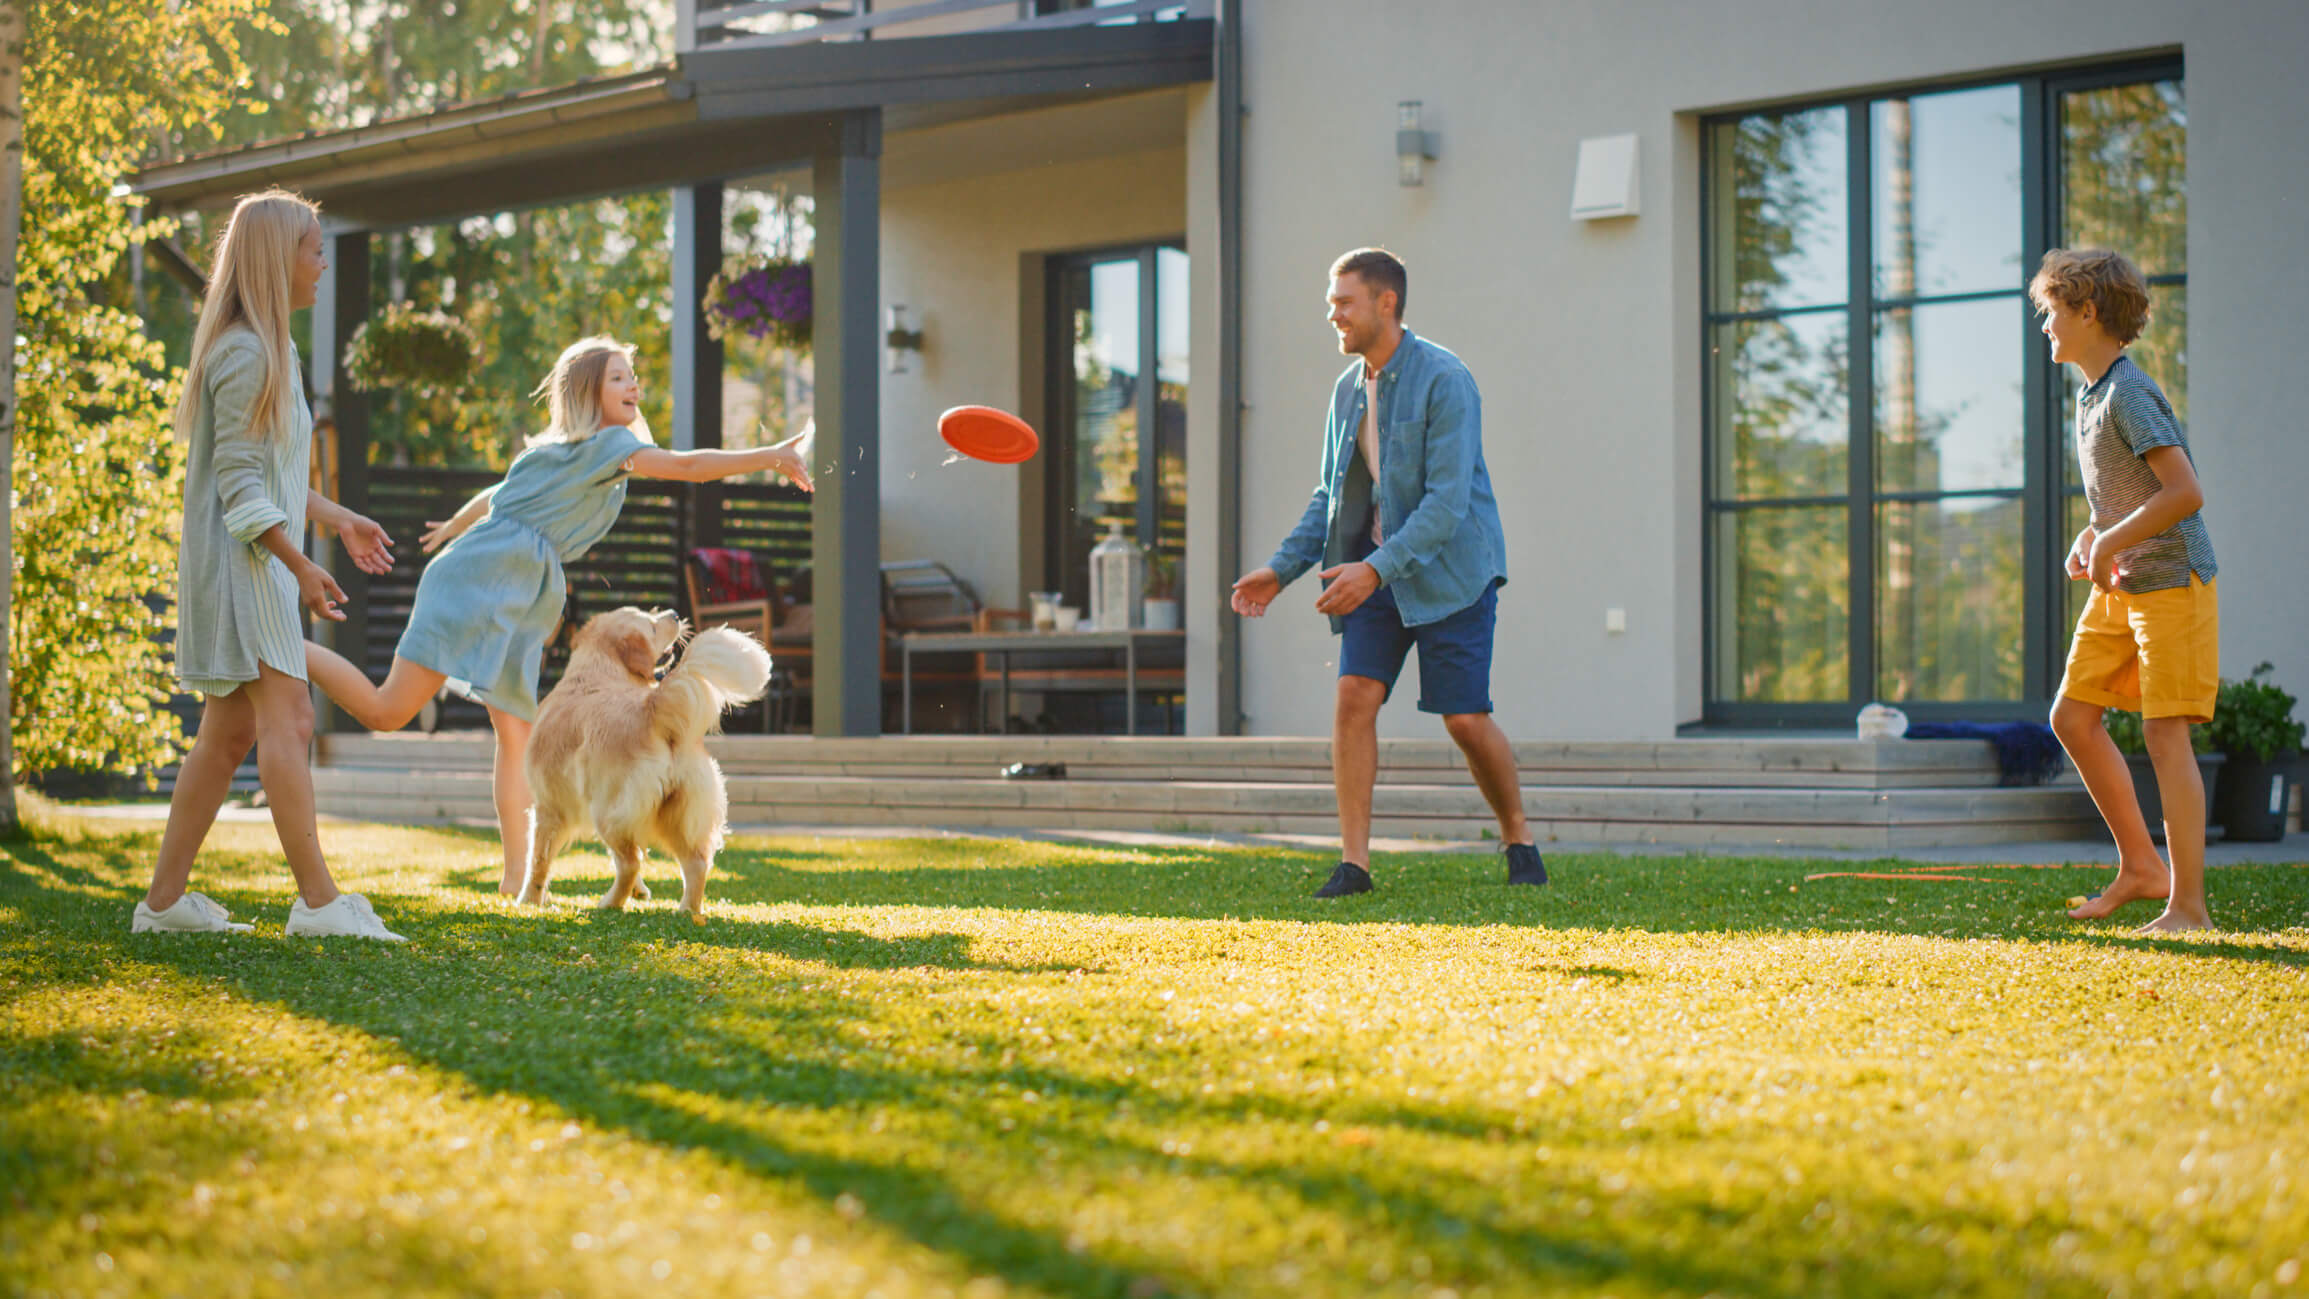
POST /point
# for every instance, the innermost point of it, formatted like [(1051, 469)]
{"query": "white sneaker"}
[(194, 913), (348, 917)]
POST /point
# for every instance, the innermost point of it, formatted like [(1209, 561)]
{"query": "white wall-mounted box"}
[(1605, 183)]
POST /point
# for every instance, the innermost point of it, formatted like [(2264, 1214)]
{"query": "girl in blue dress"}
[(491, 599)]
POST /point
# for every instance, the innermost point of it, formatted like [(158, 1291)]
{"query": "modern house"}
[(1772, 427)]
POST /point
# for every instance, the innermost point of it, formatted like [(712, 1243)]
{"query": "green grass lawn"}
[(982, 1068)]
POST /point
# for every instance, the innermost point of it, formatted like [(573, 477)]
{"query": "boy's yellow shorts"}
[(2158, 653)]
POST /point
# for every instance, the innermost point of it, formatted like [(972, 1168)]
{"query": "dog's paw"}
[(640, 891), (608, 904)]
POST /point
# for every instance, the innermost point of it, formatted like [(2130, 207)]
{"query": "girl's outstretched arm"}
[(439, 534), (706, 466)]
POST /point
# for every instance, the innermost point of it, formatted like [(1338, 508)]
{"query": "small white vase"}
[(1162, 615)]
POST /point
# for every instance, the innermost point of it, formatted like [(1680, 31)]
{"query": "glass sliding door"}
[(1890, 481), (1119, 373)]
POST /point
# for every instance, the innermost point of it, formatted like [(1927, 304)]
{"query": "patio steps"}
[(1701, 793)]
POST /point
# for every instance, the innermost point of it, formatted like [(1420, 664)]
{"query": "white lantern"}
[(1117, 580)]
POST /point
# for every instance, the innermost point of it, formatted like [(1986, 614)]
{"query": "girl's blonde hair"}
[(248, 288), (572, 393)]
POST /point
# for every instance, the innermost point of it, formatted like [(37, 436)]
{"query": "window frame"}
[(1059, 398), (2045, 491)]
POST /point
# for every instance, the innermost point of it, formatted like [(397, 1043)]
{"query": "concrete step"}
[(1728, 763), (1699, 816)]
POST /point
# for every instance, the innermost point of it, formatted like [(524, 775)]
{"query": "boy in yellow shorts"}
[(2149, 638)]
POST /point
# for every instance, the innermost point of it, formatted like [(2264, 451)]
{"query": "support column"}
[(697, 354), (338, 309), (846, 518), (1215, 558)]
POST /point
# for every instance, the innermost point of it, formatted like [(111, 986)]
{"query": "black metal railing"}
[(763, 24)]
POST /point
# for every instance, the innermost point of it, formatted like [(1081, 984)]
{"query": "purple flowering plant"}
[(765, 299)]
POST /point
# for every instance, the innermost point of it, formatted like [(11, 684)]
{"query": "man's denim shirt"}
[(1442, 544)]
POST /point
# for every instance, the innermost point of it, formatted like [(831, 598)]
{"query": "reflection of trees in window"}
[(2124, 167), (1787, 211), (2124, 185), (1106, 415), (1948, 573), (1783, 407), (1788, 587), (1789, 420)]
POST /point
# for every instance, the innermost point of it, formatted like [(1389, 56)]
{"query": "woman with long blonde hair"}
[(488, 603), (243, 584)]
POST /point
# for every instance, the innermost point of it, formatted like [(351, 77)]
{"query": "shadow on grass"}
[(643, 1024), (743, 1039)]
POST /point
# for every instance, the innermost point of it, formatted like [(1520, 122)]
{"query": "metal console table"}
[(1005, 643)]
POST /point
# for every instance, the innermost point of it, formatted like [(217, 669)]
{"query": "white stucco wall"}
[(952, 252), (1584, 336)]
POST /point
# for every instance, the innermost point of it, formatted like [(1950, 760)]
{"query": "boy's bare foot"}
[(2130, 885), (2177, 921)]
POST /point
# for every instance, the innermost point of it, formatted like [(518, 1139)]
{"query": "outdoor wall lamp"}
[(903, 343), (1414, 148)]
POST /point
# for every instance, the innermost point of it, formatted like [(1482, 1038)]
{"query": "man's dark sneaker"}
[(1524, 865), (1348, 878)]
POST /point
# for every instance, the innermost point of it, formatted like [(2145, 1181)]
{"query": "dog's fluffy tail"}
[(722, 667)]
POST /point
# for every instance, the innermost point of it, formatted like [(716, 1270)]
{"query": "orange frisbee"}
[(984, 433)]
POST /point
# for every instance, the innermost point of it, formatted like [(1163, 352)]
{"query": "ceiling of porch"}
[(962, 107)]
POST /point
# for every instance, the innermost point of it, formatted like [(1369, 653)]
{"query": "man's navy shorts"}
[(1454, 654)]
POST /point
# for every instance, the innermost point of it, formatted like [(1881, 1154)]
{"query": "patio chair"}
[(731, 588), (917, 595)]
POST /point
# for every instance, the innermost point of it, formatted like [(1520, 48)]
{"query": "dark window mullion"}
[(1058, 467), (1940, 299), (1736, 504), (1860, 455), (1711, 682), (1958, 494), (1149, 404), (2043, 517), (1771, 313)]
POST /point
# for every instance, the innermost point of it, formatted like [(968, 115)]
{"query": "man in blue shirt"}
[(1405, 526)]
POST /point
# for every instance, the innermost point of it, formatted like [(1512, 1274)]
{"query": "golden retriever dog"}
[(615, 746)]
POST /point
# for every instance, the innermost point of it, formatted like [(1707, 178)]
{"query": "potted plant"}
[(768, 298), (1162, 592), (426, 353), (2125, 729), (2253, 726)]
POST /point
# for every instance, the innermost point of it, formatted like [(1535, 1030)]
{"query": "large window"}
[(1118, 369), (1890, 482)]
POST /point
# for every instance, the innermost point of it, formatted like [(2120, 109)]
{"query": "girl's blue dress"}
[(491, 599)]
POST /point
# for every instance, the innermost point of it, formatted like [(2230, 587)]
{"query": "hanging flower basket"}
[(766, 299), (423, 352)]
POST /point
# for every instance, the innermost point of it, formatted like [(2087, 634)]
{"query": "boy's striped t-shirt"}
[(2120, 418)]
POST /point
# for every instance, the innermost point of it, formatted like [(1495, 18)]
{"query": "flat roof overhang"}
[(716, 114)]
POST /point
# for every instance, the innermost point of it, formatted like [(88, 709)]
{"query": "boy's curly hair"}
[(2110, 282)]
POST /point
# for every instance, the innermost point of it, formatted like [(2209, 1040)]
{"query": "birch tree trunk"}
[(11, 215)]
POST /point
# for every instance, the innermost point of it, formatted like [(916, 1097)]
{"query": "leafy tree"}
[(527, 283), (97, 471)]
